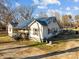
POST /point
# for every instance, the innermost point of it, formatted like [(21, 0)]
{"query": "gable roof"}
[(46, 19), (25, 23), (42, 22)]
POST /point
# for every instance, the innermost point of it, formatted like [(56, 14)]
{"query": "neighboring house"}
[(18, 28), (43, 28), (11, 28), (39, 29)]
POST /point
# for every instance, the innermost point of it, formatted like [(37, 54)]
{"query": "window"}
[(54, 20), (49, 31), (35, 31), (50, 20), (55, 31)]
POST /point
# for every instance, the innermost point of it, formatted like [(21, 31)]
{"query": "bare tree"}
[(25, 11), (42, 14), (6, 14), (6, 11)]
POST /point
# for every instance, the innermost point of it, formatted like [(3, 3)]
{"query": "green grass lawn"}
[(43, 46), (74, 29), (29, 43), (5, 38), (2, 35)]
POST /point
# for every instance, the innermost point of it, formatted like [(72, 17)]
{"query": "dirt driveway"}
[(65, 48), (21, 51), (17, 51)]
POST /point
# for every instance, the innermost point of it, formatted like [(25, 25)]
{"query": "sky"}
[(70, 7)]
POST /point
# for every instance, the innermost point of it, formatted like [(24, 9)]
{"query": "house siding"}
[(53, 26), (38, 37), (10, 30), (45, 32)]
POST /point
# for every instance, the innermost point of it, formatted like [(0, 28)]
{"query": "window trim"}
[(35, 31)]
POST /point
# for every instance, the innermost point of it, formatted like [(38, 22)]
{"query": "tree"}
[(77, 17), (42, 14), (6, 11), (65, 20), (6, 14), (77, 20), (25, 11)]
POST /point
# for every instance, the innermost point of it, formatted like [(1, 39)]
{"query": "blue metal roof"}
[(42, 22), (45, 21), (23, 24)]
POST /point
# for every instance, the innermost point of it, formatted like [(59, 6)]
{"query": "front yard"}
[(26, 49)]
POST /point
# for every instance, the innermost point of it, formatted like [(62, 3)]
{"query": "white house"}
[(10, 30), (11, 27), (43, 28), (39, 29)]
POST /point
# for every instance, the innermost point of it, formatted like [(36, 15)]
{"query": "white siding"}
[(45, 32), (10, 30), (36, 25), (53, 26)]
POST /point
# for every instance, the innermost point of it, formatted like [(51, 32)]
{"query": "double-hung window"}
[(35, 31)]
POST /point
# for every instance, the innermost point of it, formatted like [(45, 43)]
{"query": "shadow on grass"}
[(53, 53), (22, 46), (3, 34), (9, 58), (7, 42), (65, 36)]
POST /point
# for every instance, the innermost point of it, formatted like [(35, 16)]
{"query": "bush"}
[(17, 37)]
